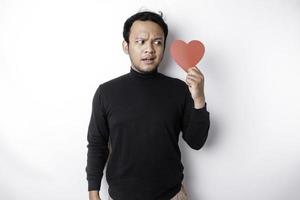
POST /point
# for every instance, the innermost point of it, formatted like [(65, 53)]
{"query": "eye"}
[(140, 41), (158, 42)]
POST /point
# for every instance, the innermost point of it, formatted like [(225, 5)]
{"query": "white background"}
[(54, 54)]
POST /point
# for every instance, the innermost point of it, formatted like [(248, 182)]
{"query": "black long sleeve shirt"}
[(140, 115)]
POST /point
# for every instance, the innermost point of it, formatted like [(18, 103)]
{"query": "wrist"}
[(94, 194), (199, 103)]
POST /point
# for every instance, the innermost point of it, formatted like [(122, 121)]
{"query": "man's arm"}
[(195, 122), (98, 151)]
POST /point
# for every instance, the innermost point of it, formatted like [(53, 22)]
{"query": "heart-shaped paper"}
[(187, 55)]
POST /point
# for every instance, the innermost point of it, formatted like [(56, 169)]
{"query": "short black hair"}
[(145, 16)]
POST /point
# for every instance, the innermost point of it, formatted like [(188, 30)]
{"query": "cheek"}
[(161, 49), (160, 53), (135, 53)]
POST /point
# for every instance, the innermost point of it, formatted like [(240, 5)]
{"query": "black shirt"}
[(135, 124)]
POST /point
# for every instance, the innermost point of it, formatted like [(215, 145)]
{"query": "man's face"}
[(146, 45)]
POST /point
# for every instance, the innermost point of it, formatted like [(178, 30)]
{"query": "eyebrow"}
[(156, 38)]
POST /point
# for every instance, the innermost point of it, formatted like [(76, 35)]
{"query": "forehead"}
[(146, 28)]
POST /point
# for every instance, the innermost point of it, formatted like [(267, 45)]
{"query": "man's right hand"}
[(94, 195)]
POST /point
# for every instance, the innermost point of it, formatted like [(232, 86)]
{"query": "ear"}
[(125, 46)]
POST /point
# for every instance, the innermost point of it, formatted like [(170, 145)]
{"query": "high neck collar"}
[(151, 74)]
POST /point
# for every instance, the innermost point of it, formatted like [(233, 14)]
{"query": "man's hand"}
[(94, 195), (195, 81)]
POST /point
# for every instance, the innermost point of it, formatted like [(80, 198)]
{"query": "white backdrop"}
[(54, 54)]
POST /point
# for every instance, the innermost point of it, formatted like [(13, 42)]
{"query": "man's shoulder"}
[(174, 81), (114, 82)]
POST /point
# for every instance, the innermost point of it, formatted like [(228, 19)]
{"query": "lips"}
[(148, 59)]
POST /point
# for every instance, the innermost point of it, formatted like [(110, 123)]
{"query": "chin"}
[(148, 68)]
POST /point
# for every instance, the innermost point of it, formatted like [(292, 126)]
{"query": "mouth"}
[(148, 60)]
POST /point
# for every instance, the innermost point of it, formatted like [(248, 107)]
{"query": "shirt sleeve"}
[(195, 123), (97, 138)]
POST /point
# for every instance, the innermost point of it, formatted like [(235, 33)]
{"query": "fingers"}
[(191, 81), (195, 75), (192, 77), (195, 71)]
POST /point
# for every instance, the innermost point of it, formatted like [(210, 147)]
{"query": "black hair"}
[(145, 16)]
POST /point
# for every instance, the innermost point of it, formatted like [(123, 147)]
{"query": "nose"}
[(149, 49)]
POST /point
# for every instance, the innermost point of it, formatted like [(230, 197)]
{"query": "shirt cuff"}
[(93, 185), (204, 108), (200, 114)]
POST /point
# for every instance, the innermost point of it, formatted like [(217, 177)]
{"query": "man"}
[(137, 117)]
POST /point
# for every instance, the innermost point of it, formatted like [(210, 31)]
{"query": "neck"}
[(136, 73)]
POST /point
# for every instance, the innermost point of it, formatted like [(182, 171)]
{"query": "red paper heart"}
[(187, 55)]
